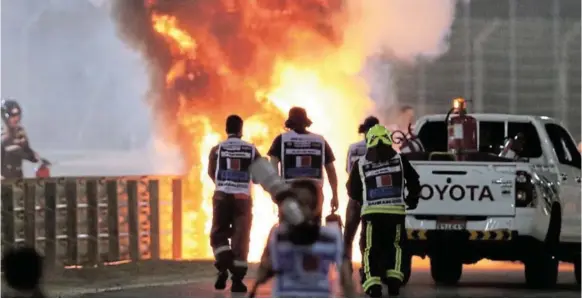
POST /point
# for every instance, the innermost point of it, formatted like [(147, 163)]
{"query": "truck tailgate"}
[(466, 188)]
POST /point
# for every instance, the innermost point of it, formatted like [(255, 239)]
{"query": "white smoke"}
[(82, 89), (79, 84), (396, 30)]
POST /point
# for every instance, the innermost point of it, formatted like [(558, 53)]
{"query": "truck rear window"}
[(533, 144), (563, 145), (433, 135)]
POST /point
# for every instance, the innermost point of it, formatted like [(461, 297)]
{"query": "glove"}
[(44, 161)]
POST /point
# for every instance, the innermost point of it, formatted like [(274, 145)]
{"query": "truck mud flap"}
[(416, 234), (496, 235)]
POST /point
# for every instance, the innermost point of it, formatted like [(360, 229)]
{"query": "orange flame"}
[(295, 64)]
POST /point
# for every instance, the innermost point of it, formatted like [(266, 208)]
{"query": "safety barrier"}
[(91, 221)]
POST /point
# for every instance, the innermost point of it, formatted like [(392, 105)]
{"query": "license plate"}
[(451, 224)]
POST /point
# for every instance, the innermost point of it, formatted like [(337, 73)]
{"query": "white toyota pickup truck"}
[(495, 208)]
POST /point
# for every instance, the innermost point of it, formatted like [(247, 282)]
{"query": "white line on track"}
[(137, 285)]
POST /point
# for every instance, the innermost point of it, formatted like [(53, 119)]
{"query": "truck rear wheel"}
[(541, 271), (541, 267), (406, 268), (577, 270), (446, 270)]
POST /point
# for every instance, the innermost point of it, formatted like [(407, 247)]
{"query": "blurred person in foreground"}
[(303, 155), (15, 143), (22, 273), (355, 151), (301, 265), (377, 183), (228, 167)]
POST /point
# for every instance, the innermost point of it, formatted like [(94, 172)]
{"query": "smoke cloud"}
[(233, 59), (81, 88), (397, 30)]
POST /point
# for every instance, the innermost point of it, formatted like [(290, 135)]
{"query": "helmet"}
[(10, 108), (376, 134)]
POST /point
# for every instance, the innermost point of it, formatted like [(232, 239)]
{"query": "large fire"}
[(255, 60)]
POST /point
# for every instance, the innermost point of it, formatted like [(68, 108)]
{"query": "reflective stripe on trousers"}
[(370, 280), (397, 271), (218, 250), (380, 242)]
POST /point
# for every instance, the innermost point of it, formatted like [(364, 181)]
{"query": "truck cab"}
[(476, 204)]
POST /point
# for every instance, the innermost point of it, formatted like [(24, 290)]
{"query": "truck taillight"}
[(524, 190)]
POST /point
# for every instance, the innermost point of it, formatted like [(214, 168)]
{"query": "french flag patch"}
[(384, 180), (232, 164), (303, 161)]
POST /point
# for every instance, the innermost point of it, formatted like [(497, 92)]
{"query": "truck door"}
[(568, 179)]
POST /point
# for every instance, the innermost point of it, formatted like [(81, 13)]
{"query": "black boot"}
[(238, 286), (223, 263), (393, 286), (221, 278), (374, 291)]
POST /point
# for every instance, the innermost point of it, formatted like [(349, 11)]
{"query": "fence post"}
[(72, 244), (563, 68), (478, 64), (132, 211), (93, 222), (154, 189), (113, 220), (29, 206), (467, 20), (50, 222), (8, 223), (556, 51), (176, 219), (512, 58)]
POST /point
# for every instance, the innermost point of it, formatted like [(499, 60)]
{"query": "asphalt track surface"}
[(474, 283)]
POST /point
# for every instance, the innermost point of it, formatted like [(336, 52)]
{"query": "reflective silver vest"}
[(383, 186), (302, 156), (355, 151), (234, 157)]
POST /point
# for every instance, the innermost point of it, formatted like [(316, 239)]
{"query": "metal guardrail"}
[(90, 221)]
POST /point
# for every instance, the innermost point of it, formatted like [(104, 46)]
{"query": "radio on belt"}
[(461, 130)]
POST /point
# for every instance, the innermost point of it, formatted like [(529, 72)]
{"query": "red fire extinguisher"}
[(43, 170), (462, 129)]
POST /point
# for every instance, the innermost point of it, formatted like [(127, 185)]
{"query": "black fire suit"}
[(229, 164), (383, 213), (15, 148), (355, 151)]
